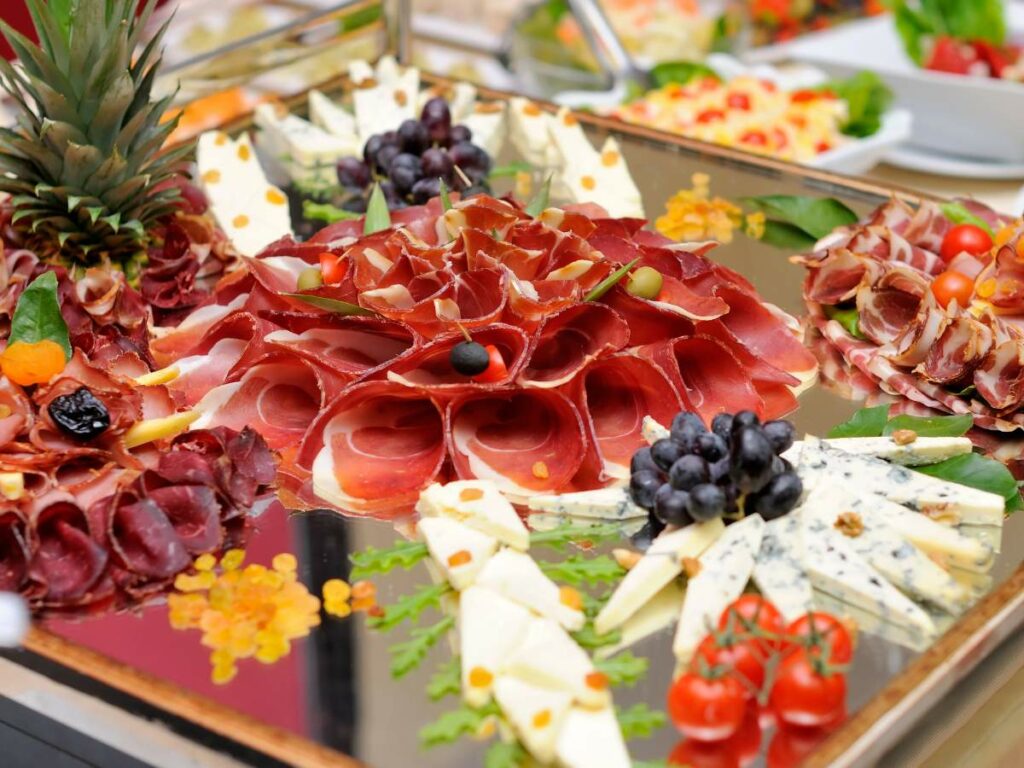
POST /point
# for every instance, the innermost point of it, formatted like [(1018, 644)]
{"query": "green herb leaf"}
[(867, 422), (510, 170), (446, 201), (331, 305), (560, 537), (588, 637), (976, 471), (406, 656), (446, 681), (957, 213), (540, 201), (409, 607), (378, 217), (580, 569), (373, 560), (505, 754), (680, 73), (639, 721), (37, 316), (849, 318), (816, 216), (326, 212), (623, 668), (788, 237), (451, 726), (932, 426), (867, 98), (610, 282)]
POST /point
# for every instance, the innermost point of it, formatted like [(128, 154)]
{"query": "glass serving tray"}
[(333, 695)]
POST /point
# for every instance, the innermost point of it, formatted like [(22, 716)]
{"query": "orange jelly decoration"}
[(598, 681), (480, 677), (461, 557), (470, 494), (570, 598), (542, 719), (36, 362)]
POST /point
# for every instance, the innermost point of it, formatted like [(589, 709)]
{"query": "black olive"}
[(469, 358), (80, 415)]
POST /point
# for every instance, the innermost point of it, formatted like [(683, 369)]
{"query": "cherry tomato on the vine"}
[(752, 611), (706, 708), (965, 237), (332, 267), (496, 368), (821, 630), (804, 696), (953, 285), (744, 658)]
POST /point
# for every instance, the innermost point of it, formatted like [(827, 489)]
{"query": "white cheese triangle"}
[(535, 713), (478, 504), (490, 628), (549, 658), (458, 550), (517, 576), (591, 739)]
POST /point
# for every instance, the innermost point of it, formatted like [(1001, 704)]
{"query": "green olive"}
[(645, 283), (312, 277)]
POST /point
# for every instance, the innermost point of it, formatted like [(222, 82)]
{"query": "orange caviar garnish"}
[(609, 158), (480, 677), (35, 362), (596, 680), (540, 470), (588, 182), (461, 557), (542, 719), (470, 494), (531, 109), (570, 597), (363, 589)]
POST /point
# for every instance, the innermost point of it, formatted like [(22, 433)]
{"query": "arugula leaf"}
[(560, 537), (816, 216), (867, 99), (867, 422), (378, 217), (932, 426), (373, 560), (446, 201), (337, 306), (326, 212), (680, 73), (579, 569), (37, 316), (505, 754), (623, 668), (787, 236), (408, 655), (589, 639), (446, 681), (976, 471), (957, 213), (610, 282), (453, 725), (540, 201), (639, 721), (409, 607), (849, 318)]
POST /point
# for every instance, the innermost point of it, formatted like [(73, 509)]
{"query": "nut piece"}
[(626, 558), (691, 566), (849, 524), (904, 436)]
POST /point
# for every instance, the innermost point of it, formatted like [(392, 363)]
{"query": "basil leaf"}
[(957, 213), (540, 201), (867, 422), (867, 98), (609, 282), (848, 318), (446, 201), (37, 316), (680, 73), (786, 236), (932, 426), (326, 212), (976, 471), (378, 217), (331, 305), (817, 216)]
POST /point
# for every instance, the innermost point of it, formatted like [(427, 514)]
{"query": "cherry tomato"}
[(822, 146), (496, 369), (332, 268), (965, 237), (754, 138), (749, 611), (953, 285), (806, 95), (738, 101), (691, 753), (819, 629), (706, 709), (710, 116), (744, 657), (781, 140), (802, 696)]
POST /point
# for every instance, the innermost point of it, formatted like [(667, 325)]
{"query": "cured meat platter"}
[(429, 355)]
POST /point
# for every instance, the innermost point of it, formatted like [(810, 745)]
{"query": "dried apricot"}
[(36, 362)]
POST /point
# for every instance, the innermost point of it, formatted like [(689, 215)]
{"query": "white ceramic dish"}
[(971, 117), (919, 159)]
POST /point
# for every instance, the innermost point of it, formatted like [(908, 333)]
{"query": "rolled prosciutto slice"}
[(527, 441), (571, 339)]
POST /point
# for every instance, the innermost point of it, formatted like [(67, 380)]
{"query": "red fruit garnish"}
[(332, 268), (710, 116), (953, 285), (950, 55), (806, 692), (706, 708), (965, 237), (819, 630), (496, 370), (738, 101)]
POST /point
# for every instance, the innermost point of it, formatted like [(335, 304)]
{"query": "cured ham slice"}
[(14, 552), (571, 339), (145, 540), (963, 345), (429, 367), (67, 561), (890, 304), (834, 279), (649, 322), (1000, 378), (527, 441)]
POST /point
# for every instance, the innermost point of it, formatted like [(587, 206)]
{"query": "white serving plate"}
[(971, 117)]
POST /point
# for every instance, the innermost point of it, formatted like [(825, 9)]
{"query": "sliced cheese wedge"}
[(478, 504), (659, 612), (603, 504), (725, 569), (490, 629), (331, 117), (591, 739), (535, 713), (662, 562), (460, 551), (919, 452), (779, 572), (516, 576), (488, 124), (549, 658)]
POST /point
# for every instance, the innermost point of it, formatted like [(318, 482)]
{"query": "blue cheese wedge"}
[(724, 571), (883, 547), (943, 501), (653, 431), (603, 504), (549, 658), (535, 714), (478, 504), (458, 550), (663, 561), (590, 739), (918, 452), (904, 635), (490, 628), (778, 570), (835, 568), (517, 577)]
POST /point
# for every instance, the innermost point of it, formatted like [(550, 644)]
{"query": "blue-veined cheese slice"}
[(591, 739), (478, 504), (778, 570), (725, 569), (549, 658), (662, 562), (653, 431), (919, 452), (602, 504), (459, 550), (490, 629), (906, 635), (517, 576), (535, 713)]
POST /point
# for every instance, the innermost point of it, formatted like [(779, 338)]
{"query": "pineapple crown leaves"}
[(84, 158)]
